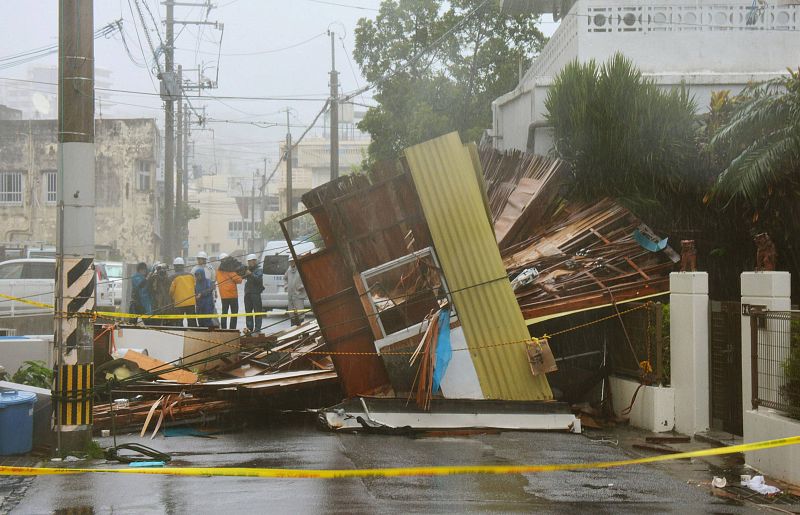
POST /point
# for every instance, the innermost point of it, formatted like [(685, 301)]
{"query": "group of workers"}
[(194, 292)]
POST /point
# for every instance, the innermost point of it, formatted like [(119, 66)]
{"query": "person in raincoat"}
[(204, 299), (141, 299)]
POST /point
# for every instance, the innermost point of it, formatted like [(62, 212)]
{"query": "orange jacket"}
[(227, 282)]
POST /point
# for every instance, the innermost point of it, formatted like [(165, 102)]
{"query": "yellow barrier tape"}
[(400, 471), (115, 314), (27, 301)]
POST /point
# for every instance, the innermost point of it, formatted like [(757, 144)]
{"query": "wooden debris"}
[(667, 439), (139, 414), (153, 365), (587, 256)]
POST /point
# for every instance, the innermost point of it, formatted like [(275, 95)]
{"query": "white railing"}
[(600, 18), (621, 17)]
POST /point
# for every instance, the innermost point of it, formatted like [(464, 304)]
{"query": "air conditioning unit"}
[(7, 332)]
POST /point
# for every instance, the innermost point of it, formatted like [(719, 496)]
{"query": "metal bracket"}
[(752, 309)]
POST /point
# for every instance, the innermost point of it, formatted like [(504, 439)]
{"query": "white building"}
[(706, 44), (219, 226), (311, 165)]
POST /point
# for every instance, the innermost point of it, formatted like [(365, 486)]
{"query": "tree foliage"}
[(625, 137), (436, 68), (761, 138)]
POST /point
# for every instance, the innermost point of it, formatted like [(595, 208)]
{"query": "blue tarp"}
[(443, 350), (649, 244)]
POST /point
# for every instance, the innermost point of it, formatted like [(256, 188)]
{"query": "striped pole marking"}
[(72, 385), (79, 291)]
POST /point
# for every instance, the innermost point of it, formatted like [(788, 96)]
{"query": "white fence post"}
[(688, 329)]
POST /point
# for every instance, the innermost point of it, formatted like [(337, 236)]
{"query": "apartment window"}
[(50, 181), (240, 230), (11, 188), (143, 173)]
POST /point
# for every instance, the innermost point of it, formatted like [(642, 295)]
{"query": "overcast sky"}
[(262, 29)]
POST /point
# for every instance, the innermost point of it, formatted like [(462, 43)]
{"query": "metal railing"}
[(775, 360)]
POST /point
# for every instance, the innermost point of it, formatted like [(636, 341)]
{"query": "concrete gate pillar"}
[(768, 289), (688, 329)]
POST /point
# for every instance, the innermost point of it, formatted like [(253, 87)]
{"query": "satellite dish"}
[(41, 103)]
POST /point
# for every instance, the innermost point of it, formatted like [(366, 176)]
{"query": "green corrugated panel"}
[(451, 199)]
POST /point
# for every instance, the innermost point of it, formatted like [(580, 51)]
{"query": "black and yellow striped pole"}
[(75, 274)]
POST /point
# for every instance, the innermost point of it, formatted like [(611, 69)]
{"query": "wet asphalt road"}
[(296, 444)]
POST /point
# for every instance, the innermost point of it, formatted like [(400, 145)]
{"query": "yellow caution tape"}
[(400, 471), (27, 301), (115, 314)]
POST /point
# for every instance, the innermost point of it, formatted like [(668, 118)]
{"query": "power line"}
[(339, 4), (276, 98)]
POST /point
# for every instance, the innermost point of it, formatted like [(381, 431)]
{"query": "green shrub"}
[(34, 373)]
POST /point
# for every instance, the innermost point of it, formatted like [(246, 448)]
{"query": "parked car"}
[(35, 279), (32, 279), (275, 259)]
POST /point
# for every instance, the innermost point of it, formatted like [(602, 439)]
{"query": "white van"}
[(275, 259), (35, 279)]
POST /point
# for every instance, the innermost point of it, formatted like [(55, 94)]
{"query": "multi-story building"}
[(311, 165), (230, 217), (127, 200), (705, 45)]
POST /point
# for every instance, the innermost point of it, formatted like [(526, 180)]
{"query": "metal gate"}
[(725, 366)]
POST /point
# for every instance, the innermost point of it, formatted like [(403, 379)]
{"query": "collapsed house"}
[(419, 244)]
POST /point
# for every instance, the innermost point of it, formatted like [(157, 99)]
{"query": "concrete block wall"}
[(654, 409)]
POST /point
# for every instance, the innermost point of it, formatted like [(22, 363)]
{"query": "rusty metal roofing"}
[(447, 185)]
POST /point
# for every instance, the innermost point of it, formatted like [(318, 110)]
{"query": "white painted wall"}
[(770, 289), (782, 462), (705, 44), (654, 409), (688, 330)]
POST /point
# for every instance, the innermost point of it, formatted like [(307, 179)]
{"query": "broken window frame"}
[(397, 263)]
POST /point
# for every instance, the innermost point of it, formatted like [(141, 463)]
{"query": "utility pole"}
[(334, 112), (178, 227), (253, 213), (288, 172), (169, 136), (184, 228), (75, 275)]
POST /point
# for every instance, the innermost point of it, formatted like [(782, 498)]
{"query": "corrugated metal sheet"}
[(451, 199)]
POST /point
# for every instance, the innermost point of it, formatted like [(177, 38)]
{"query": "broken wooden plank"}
[(161, 368)]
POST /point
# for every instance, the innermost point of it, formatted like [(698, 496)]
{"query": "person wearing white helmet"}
[(228, 278), (159, 282), (208, 271), (182, 292), (253, 286)]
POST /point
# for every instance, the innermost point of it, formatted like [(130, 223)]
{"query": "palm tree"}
[(761, 140)]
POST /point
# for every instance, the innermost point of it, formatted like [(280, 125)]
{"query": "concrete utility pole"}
[(334, 112), (288, 170), (253, 212), (178, 227), (75, 288), (184, 228), (168, 237)]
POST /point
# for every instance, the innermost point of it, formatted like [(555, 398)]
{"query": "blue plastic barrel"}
[(16, 421)]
